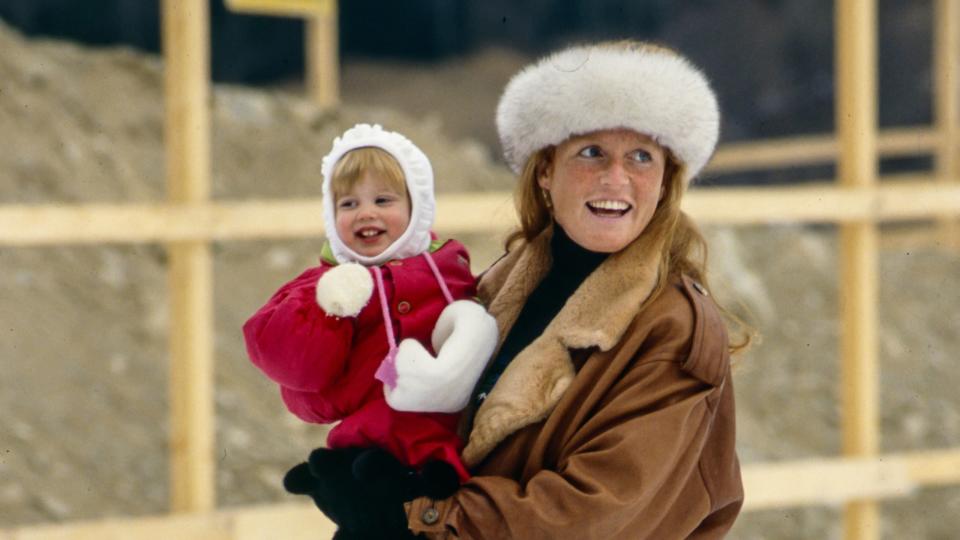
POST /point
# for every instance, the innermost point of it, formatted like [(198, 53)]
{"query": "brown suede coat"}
[(616, 422)]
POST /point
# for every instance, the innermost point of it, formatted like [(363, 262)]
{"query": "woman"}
[(607, 411)]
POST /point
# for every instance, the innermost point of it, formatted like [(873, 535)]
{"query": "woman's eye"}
[(590, 152), (641, 155)]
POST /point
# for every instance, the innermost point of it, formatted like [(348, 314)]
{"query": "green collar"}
[(326, 253)]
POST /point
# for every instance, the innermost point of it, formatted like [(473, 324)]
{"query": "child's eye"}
[(383, 200), (641, 155), (591, 151), (346, 204)]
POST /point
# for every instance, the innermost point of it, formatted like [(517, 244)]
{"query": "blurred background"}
[(770, 60), (83, 356)]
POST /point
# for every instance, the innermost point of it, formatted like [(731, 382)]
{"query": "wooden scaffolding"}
[(188, 221)]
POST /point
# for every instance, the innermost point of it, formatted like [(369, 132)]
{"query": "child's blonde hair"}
[(350, 168)]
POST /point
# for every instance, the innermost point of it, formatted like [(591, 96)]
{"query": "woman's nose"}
[(615, 174)]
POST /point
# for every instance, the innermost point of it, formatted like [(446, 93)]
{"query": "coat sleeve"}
[(651, 432), (295, 343)]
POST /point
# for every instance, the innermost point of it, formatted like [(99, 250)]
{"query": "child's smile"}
[(371, 216)]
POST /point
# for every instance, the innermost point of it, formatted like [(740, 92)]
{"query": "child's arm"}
[(295, 342)]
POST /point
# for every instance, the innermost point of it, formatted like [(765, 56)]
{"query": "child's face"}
[(371, 215)]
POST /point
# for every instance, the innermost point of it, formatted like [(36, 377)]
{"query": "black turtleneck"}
[(571, 265)]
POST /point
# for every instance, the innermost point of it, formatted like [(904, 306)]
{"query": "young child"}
[(330, 337)]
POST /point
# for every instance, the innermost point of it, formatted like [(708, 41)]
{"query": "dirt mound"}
[(84, 424)]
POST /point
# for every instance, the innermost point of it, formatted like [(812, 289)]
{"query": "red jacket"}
[(325, 364)]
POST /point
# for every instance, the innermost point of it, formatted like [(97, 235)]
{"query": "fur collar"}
[(596, 315)]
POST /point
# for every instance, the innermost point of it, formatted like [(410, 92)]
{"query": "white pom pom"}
[(345, 289)]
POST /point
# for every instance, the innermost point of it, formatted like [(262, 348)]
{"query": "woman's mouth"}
[(609, 208)]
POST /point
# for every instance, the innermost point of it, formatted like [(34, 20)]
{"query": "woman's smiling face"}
[(604, 187)]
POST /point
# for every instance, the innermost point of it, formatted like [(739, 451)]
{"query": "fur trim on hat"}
[(418, 175), (648, 89)]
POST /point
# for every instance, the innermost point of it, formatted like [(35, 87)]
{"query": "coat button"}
[(395, 263), (403, 307), (430, 516), (700, 288)]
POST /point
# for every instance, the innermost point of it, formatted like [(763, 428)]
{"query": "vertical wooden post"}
[(856, 118), (187, 141), (322, 55), (946, 110)]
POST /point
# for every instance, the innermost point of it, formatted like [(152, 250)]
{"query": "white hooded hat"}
[(418, 175), (646, 88)]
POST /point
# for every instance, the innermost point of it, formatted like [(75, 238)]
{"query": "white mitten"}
[(344, 289), (464, 337)]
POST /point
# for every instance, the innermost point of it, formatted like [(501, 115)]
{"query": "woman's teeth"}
[(608, 208)]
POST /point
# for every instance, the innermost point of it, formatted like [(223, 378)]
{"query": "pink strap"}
[(436, 274), (384, 307), (387, 371)]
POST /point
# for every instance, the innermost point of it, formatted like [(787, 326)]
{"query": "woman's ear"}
[(544, 178)]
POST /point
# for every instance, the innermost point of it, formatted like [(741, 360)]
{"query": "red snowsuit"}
[(325, 364)]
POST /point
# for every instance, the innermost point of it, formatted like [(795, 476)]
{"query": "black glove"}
[(363, 491), (437, 479), (334, 490)]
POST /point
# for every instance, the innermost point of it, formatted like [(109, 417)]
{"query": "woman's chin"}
[(603, 234), (600, 241)]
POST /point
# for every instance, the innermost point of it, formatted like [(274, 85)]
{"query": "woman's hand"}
[(363, 490)]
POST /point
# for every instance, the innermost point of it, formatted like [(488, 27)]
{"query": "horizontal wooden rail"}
[(102, 223), (284, 521), (816, 149), (897, 199), (290, 8), (900, 198), (838, 480), (828, 481)]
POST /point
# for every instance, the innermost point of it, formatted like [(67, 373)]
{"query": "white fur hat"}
[(419, 177), (647, 88)]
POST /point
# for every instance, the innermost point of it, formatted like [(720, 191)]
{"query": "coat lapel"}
[(596, 315)]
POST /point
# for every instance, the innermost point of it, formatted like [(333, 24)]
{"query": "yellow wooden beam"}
[(855, 74), (784, 152), (813, 482), (289, 8), (906, 198), (946, 104), (186, 51), (286, 521), (832, 481), (323, 57), (321, 41), (901, 198)]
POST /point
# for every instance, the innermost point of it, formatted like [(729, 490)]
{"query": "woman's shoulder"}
[(492, 279), (685, 319)]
